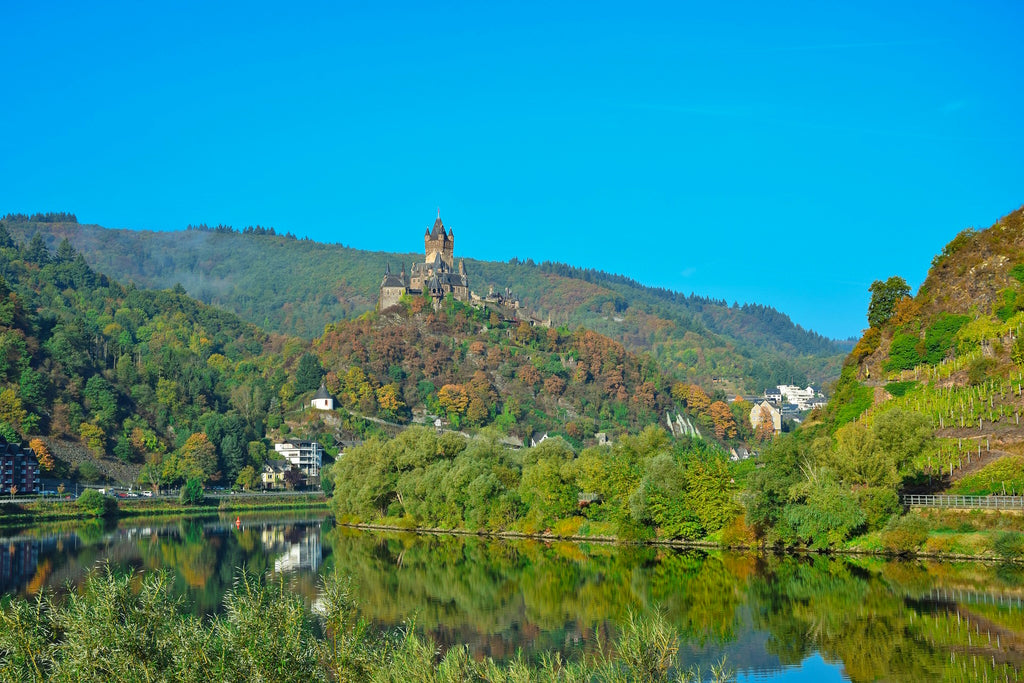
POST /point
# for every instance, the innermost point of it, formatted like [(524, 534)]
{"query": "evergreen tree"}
[(65, 252), (309, 373)]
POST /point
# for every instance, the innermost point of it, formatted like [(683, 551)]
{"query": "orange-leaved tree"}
[(43, 455)]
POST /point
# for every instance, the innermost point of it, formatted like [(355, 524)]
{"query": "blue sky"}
[(780, 153)]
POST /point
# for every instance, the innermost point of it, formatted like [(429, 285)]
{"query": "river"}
[(773, 617)]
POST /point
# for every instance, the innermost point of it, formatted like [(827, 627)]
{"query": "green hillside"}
[(297, 287), (476, 369), (929, 400), (123, 383)]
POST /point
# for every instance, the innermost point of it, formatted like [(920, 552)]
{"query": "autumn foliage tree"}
[(722, 417), (389, 400), (765, 429), (196, 459), (454, 362), (453, 398), (697, 400), (43, 455)]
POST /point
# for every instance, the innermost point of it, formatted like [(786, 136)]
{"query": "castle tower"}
[(392, 287), (436, 276), (437, 241)]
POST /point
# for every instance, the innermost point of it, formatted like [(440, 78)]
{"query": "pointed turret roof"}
[(438, 230), (392, 280), (322, 392)]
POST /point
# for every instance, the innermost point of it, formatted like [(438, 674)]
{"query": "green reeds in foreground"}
[(129, 628)]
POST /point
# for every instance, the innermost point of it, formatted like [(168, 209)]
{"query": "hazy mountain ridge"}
[(297, 286)]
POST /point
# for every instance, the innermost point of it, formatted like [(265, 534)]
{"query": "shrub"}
[(192, 492), (1009, 305), (979, 370), (901, 388), (941, 335), (903, 535), (851, 397), (903, 352), (92, 503), (568, 527), (89, 472), (737, 533), (1009, 544), (879, 505), (867, 345)]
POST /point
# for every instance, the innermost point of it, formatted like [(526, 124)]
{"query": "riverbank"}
[(986, 536), (22, 513)]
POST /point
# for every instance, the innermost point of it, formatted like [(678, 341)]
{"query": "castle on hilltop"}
[(437, 275)]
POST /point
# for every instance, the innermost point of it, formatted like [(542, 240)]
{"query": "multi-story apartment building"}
[(18, 468)]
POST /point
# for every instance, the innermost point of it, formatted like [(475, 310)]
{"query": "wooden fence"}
[(963, 502)]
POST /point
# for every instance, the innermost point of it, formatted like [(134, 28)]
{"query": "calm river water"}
[(778, 618)]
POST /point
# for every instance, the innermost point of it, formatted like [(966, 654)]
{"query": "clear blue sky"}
[(786, 155)]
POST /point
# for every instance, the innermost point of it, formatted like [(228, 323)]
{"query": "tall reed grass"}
[(130, 628)]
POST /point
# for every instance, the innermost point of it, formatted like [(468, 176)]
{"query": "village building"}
[(273, 474), (322, 400), (803, 398), (18, 468), (437, 276), (307, 456), (773, 412)]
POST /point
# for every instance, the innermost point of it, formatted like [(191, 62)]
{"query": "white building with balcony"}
[(308, 456)]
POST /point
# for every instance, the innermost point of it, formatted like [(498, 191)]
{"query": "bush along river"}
[(769, 617)]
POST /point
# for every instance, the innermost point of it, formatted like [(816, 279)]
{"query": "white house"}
[(308, 456), (323, 399), (798, 396)]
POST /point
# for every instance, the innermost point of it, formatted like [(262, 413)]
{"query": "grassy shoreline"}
[(939, 542), (19, 513), (949, 535)]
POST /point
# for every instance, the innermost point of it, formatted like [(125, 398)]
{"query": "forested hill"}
[(298, 286), (127, 383), (109, 381), (477, 369)]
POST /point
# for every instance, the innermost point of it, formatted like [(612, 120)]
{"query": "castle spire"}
[(438, 230)]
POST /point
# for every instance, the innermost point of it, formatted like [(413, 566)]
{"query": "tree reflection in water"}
[(876, 619)]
